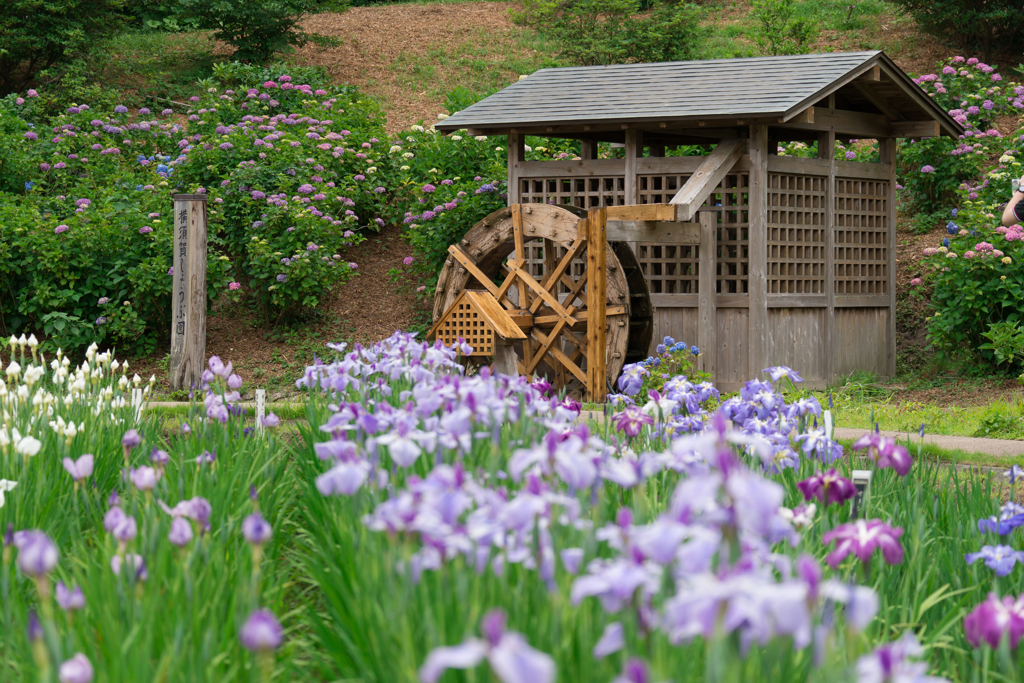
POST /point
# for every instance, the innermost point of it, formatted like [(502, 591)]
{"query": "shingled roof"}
[(755, 87)]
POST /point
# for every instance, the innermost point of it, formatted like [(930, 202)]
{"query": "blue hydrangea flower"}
[(952, 228)]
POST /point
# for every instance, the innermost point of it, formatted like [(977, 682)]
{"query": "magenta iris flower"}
[(885, 452), (999, 558), (862, 538), (631, 421), (995, 619), (828, 488)]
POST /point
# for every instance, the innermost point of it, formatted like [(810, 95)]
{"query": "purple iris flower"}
[(861, 538), (782, 372), (572, 558), (78, 669), (81, 468), (345, 478), (995, 619), (892, 663), (261, 632), (828, 488), (999, 558), (632, 379), (1011, 516), (159, 458), (631, 421), (885, 452), (197, 509), (70, 599), (612, 640), (131, 561), (37, 555), (113, 517), (634, 671), (131, 439), (126, 530), (144, 478), (511, 658), (256, 530), (180, 533), (1014, 473), (270, 420)]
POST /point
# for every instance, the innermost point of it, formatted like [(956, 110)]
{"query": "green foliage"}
[(780, 31), (970, 25), (999, 424), (1005, 341), (39, 34), (593, 32), (925, 221), (258, 29)]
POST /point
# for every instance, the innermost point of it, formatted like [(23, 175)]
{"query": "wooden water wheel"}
[(531, 259)]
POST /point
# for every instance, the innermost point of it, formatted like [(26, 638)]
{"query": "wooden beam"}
[(916, 93), (849, 122), (707, 315), (653, 231), (916, 129), (872, 74), (709, 174), (878, 101), (597, 300), (642, 212), (757, 281), (634, 149), (805, 116)]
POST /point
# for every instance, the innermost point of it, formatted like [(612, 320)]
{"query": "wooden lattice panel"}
[(796, 234), (730, 200), (465, 322), (670, 268), (585, 193), (861, 236)]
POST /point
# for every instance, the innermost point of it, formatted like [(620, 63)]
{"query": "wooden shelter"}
[(760, 259), (478, 319)]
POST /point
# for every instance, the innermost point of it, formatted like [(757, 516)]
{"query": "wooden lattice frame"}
[(466, 323), (586, 192), (797, 225), (861, 236)]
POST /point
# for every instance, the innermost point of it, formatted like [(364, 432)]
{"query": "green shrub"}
[(780, 31), (970, 25), (258, 29), (593, 32), (39, 34)]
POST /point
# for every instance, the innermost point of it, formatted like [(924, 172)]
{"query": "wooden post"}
[(516, 155), (827, 150), (188, 319), (757, 281), (505, 358), (588, 149), (634, 150), (261, 408), (597, 300), (887, 155), (707, 324)]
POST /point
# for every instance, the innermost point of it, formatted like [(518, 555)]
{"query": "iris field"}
[(421, 524)]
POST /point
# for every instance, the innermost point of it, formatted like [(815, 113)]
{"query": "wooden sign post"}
[(188, 305)]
